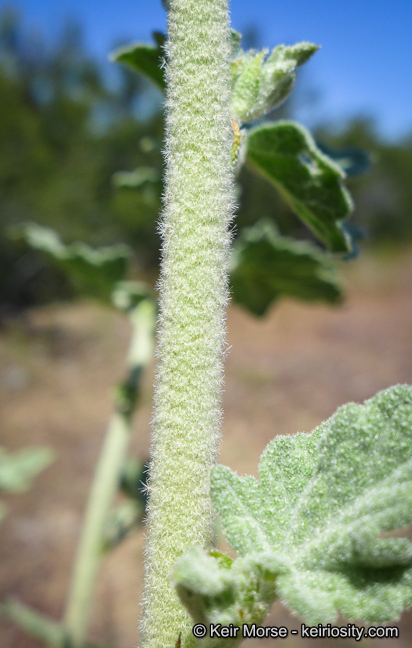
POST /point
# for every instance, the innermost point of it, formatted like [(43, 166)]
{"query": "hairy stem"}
[(198, 207), (106, 478)]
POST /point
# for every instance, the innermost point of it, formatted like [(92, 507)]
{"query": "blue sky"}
[(364, 66)]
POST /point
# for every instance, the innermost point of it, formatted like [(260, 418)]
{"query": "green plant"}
[(18, 469), (99, 274), (309, 532), (339, 462)]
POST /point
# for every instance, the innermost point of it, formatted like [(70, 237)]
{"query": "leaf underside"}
[(317, 524), (265, 266), (310, 182)]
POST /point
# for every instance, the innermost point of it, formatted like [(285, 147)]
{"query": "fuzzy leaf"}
[(317, 516), (142, 58), (216, 589), (260, 83), (18, 469), (285, 153), (246, 74), (91, 272), (265, 265)]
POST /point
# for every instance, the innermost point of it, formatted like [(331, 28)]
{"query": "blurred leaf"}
[(136, 301), (18, 469), (355, 234), (92, 272), (133, 480), (260, 83), (353, 161), (285, 153), (137, 178), (121, 522), (127, 295), (144, 59), (159, 38), (235, 39), (265, 266)]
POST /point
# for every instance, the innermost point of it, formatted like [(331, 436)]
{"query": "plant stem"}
[(198, 208), (106, 478), (35, 624)]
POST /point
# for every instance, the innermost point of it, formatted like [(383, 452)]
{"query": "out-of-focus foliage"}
[(18, 469), (265, 266), (95, 273), (383, 195), (64, 133), (83, 156)]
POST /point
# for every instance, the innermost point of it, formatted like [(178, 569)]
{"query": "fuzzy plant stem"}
[(193, 296), (106, 478)]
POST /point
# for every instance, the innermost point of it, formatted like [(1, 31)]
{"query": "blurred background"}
[(69, 121)]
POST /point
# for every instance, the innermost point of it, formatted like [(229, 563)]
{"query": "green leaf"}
[(319, 517), (216, 589), (18, 469), (137, 178), (133, 480), (159, 38), (265, 266), (144, 59), (128, 295), (260, 83), (235, 38), (246, 73), (121, 522), (92, 272), (311, 183), (256, 515)]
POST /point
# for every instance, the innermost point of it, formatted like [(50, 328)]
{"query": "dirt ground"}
[(284, 374)]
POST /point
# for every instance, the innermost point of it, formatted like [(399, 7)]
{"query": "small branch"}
[(106, 479), (34, 623)]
